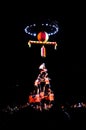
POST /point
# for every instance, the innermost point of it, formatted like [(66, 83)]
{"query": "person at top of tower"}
[(42, 67), (43, 71)]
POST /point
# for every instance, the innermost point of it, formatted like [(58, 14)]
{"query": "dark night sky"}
[(19, 64), (66, 66)]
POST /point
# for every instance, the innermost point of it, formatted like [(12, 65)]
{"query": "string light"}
[(52, 29)]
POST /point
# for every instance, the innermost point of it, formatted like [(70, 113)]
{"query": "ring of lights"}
[(51, 29)]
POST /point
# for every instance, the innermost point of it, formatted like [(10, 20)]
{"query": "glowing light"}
[(52, 29), (43, 51), (42, 36)]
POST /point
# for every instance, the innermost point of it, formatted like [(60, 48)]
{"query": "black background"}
[(19, 63)]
